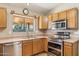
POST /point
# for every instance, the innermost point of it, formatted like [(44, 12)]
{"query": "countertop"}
[(15, 39), (72, 40)]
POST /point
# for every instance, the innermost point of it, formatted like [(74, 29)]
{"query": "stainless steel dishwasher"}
[(12, 49)]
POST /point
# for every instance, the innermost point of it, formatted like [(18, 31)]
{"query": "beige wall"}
[(8, 30)]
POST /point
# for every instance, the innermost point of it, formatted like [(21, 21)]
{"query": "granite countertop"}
[(15, 39), (72, 40)]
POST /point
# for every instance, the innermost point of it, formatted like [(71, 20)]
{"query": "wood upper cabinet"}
[(3, 17), (19, 20), (72, 17), (50, 17), (43, 22), (27, 48), (62, 15), (55, 17), (70, 49)]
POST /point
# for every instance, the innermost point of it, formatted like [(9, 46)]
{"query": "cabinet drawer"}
[(68, 44), (27, 41)]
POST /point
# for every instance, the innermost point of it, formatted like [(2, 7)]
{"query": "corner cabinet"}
[(39, 45), (3, 18), (72, 18), (42, 22)]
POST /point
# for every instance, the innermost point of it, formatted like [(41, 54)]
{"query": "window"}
[(22, 25), (18, 27)]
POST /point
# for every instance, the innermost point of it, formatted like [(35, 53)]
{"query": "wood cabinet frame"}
[(73, 49), (3, 18)]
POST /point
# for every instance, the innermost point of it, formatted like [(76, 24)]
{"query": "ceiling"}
[(42, 8)]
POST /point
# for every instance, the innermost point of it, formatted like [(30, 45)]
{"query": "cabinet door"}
[(45, 44), (35, 46), (40, 22), (43, 22), (68, 50), (3, 17), (72, 18), (62, 15), (27, 49), (55, 17), (40, 45), (1, 50), (50, 17)]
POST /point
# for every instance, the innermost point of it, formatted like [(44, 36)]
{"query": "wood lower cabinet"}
[(70, 49), (67, 50), (27, 48), (40, 45), (45, 44), (35, 46), (1, 49)]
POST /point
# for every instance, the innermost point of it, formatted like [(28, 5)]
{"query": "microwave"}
[(62, 24)]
